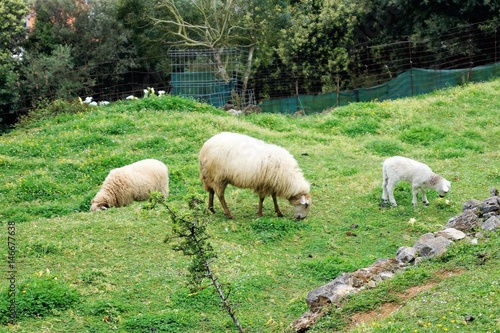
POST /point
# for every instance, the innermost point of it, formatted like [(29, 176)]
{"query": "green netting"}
[(202, 86), (409, 83)]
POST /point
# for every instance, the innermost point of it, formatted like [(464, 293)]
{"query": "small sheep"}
[(133, 182), (245, 162), (421, 177)]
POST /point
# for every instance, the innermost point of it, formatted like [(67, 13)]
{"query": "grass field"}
[(110, 271)]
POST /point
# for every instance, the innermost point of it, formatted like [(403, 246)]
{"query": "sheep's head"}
[(301, 204), (443, 188), (96, 205)]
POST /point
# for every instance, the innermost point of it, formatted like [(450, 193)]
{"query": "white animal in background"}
[(245, 162), (133, 182), (421, 177)]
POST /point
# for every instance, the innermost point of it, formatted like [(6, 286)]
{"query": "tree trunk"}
[(221, 68), (247, 74)]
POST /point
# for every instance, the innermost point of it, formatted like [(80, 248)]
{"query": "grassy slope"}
[(130, 281)]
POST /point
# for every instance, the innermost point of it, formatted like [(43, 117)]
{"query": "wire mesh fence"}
[(395, 70), (399, 69)]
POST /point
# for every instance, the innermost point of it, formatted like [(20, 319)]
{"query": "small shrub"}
[(40, 296)]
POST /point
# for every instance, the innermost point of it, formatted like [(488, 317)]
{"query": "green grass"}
[(121, 277)]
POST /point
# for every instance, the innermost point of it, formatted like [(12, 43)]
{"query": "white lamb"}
[(245, 162), (133, 182), (421, 177)]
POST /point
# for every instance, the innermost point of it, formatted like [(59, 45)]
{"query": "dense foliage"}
[(109, 49)]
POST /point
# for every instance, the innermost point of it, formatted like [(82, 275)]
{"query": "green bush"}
[(39, 296)]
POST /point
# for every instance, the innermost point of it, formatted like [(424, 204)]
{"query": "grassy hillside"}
[(111, 272)]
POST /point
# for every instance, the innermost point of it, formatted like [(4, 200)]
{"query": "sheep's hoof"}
[(384, 204)]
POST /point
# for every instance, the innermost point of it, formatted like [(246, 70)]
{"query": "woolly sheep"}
[(421, 177), (245, 162), (133, 182)]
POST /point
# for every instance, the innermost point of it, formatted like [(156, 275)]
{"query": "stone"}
[(451, 234), (406, 254), (431, 247), (471, 204), (386, 275), (491, 224), (306, 321), (465, 221), (330, 293), (492, 204)]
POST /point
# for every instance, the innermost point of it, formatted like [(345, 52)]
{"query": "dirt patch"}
[(388, 308)]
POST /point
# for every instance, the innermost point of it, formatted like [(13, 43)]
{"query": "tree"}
[(317, 44), (190, 232), (12, 32), (220, 24), (90, 40), (54, 76)]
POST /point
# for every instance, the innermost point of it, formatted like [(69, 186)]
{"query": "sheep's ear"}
[(303, 200)]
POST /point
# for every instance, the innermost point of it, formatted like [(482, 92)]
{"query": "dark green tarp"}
[(410, 83)]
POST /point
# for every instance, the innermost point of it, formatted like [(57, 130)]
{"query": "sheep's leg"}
[(424, 197), (384, 190), (261, 204), (211, 200), (414, 192), (220, 194), (276, 208), (390, 190)]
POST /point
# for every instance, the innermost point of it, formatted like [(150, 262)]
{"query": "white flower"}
[(149, 92), (161, 92), (87, 100), (93, 103), (131, 97), (104, 103)]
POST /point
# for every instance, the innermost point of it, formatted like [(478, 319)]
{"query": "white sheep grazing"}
[(421, 177), (245, 162), (133, 182)]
